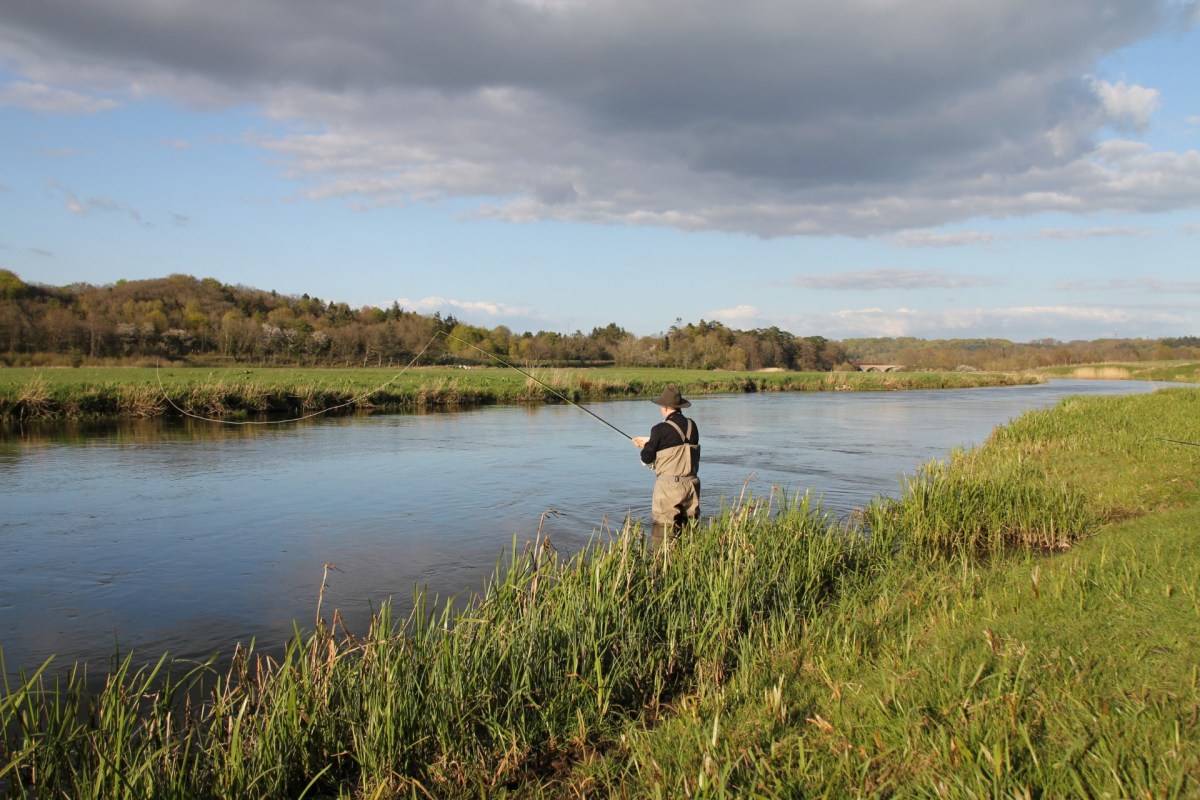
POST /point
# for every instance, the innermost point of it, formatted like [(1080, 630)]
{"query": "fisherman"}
[(672, 450)]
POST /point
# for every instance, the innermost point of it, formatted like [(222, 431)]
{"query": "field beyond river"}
[(1023, 620), (31, 393)]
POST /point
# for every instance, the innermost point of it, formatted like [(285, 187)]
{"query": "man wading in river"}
[(672, 450)]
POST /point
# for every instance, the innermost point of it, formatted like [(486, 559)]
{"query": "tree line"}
[(183, 317), (207, 321)]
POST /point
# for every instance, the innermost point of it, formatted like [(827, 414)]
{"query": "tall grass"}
[(948, 511), (1072, 676), (552, 659)]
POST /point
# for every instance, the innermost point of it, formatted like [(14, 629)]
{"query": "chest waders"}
[(676, 499)]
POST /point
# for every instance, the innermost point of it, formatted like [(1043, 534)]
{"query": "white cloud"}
[(904, 279), (1092, 233), (1148, 284), (475, 308), (735, 317), (1127, 106), (81, 206), (930, 239), (50, 100)]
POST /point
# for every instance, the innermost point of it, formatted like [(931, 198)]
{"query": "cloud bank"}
[(1016, 323), (904, 279), (764, 117)]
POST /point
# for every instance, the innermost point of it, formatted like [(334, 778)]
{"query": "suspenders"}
[(679, 430), (692, 448)]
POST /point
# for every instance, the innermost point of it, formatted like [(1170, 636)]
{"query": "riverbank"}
[(1022, 619), (28, 393)]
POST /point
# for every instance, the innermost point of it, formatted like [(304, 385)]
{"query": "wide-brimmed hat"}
[(671, 398)]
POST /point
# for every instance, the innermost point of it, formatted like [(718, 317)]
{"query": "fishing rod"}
[(551, 389), (358, 398)]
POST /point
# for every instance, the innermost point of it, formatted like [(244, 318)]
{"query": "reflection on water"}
[(188, 536)]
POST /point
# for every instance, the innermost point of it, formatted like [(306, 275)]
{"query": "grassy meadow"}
[(28, 393), (1022, 621), (1164, 371)]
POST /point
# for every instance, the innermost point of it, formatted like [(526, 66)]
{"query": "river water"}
[(188, 537)]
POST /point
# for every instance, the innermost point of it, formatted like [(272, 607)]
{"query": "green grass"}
[(1165, 371), (1021, 621), (34, 393), (1073, 676)]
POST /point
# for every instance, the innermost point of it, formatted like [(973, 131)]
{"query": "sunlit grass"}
[(1165, 371)]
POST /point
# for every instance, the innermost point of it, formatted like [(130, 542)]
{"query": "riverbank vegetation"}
[(36, 394), (1021, 621), (212, 324), (1162, 371)]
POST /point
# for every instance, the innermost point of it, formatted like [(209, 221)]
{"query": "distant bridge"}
[(880, 367)]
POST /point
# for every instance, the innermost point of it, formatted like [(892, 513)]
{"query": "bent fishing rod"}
[(352, 401), (550, 388)]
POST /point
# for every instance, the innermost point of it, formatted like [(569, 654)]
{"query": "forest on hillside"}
[(205, 321)]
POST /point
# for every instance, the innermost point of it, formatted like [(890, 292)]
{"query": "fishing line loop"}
[(359, 398), (351, 401)]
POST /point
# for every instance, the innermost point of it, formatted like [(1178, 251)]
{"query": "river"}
[(187, 537)]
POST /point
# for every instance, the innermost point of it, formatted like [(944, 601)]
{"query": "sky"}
[(1016, 169)]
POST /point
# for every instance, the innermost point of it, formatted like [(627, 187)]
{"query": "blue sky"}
[(926, 168)]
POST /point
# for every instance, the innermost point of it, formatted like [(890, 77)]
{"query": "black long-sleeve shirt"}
[(664, 435)]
